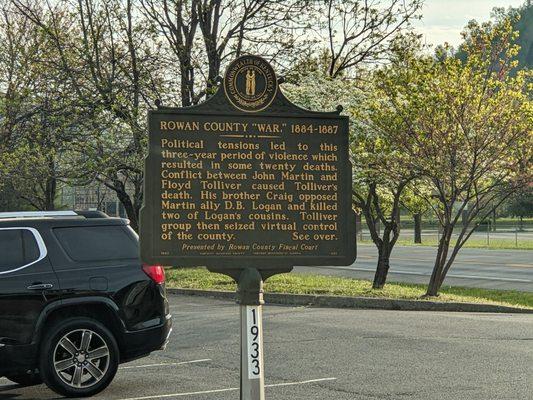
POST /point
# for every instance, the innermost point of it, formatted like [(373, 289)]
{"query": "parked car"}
[(75, 300)]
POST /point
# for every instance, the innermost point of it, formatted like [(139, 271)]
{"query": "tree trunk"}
[(382, 269), (386, 243), (50, 189), (359, 226), (436, 279), (464, 217), (418, 227), (50, 194), (185, 89), (214, 70), (397, 218), (138, 202), (433, 287), (130, 209)]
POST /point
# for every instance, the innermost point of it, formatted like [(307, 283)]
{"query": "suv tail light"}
[(155, 272)]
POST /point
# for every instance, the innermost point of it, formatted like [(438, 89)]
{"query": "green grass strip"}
[(296, 283)]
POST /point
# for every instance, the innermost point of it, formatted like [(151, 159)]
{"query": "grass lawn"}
[(296, 283), (473, 243)]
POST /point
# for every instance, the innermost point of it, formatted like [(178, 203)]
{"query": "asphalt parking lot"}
[(313, 353)]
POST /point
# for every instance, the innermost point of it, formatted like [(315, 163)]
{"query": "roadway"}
[(480, 268), (337, 354)]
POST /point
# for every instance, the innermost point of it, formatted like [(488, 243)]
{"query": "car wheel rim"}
[(81, 358)]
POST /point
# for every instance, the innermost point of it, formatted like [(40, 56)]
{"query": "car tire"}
[(79, 357), (25, 379)]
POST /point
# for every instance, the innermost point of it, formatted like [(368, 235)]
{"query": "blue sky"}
[(443, 20)]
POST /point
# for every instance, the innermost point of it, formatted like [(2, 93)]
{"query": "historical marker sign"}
[(247, 179)]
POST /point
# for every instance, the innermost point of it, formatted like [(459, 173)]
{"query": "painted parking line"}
[(483, 277), (234, 389), (301, 382), (2, 380), (166, 364)]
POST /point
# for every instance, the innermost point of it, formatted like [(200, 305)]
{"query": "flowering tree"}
[(382, 173), (380, 170), (466, 129)]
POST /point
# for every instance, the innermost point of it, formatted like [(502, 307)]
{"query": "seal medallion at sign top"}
[(250, 83)]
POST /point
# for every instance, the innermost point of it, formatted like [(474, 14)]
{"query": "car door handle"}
[(41, 286)]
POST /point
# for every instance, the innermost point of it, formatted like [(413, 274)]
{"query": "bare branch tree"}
[(108, 54), (363, 31)]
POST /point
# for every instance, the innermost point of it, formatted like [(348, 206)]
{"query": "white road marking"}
[(163, 396), (519, 265), (166, 364), (133, 367), (301, 382), (488, 278), (166, 396), (497, 264)]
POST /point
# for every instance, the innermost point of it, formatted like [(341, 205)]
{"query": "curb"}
[(357, 302)]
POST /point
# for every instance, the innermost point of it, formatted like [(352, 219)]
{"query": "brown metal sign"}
[(247, 179)]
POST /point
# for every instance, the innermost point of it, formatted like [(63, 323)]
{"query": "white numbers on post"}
[(253, 327)]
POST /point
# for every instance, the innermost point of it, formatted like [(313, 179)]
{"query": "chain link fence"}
[(501, 235)]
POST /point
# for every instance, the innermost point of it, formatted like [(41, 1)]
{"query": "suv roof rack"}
[(92, 214), (38, 214)]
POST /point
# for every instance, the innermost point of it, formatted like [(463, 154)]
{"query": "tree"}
[(362, 32), (202, 34), (178, 22), (35, 121), (35, 164), (467, 129), (522, 18), (382, 173), (108, 56), (416, 204), (9, 201), (521, 205)]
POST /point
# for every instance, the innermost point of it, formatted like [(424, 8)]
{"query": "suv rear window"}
[(18, 247), (97, 243)]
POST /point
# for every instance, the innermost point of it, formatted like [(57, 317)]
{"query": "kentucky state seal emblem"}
[(250, 83)]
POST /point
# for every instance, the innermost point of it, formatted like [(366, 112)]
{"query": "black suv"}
[(75, 300)]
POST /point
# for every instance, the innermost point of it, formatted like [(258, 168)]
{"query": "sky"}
[(443, 20)]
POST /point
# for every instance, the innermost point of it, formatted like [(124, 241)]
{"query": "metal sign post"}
[(250, 298)]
